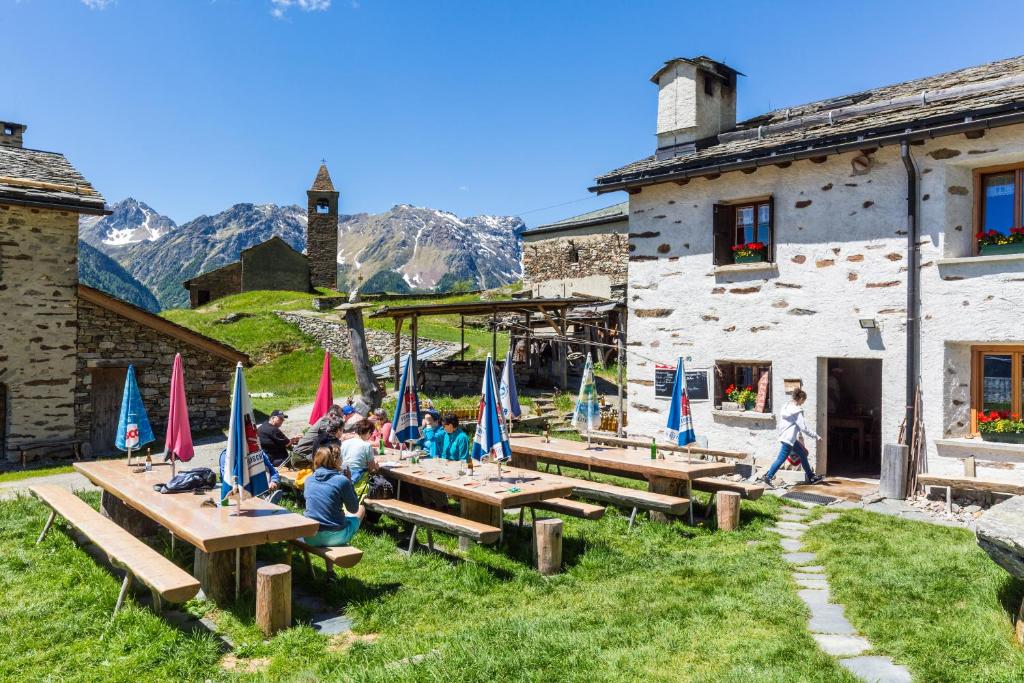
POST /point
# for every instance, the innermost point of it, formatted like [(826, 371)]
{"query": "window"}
[(8, 130), (741, 375), (998, 192), (322, 206), (996, 384), (573, 255), (744, 232), (709, 86)]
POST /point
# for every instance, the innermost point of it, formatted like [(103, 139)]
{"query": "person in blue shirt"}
[(454, 444), (432, 434), (275, 478), (327, 492)]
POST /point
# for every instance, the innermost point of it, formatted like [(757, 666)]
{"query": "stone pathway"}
[(828, 624)]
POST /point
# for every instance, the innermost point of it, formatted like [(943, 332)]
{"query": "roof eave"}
[(548, 229), (56, 205)]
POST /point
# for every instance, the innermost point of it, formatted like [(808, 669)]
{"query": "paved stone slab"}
[(793, 516), (808, 576), (799, 558), (791, 545), (876, 669), (788, 533), (829, 618), (817, 582), (797, 526), (813, 569), (812, 597), (790, 510), (825, 518), (842, 646)]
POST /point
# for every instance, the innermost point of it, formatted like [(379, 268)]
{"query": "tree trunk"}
[(478, 512), (216, 573), (667, 486), (547, 535), (273, 598), (372, 394), (129, 519), (524, 461), (728, 506)]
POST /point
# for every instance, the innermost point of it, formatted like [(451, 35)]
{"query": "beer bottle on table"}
[(469, 464), (654, 449), (380, 446), (149, 460)]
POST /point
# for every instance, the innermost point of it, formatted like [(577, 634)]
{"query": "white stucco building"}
[(824, 187)]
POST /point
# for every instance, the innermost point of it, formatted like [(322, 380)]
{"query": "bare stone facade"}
[(215, 284), (38, 277), (322, 231)]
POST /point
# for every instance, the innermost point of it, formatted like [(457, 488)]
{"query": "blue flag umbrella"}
[(491, 429), (244, 469), (133, 430), (406, 425), (680, 421), (507, 390)]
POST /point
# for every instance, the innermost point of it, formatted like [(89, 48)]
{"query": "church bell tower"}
[(322, 231)]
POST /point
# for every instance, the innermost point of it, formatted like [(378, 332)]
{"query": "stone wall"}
[(586, 260), (38, 280), (105, 336), (219, 283), (274, 265), (464, 378), (334, 337)]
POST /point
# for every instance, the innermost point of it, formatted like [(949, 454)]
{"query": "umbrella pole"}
[(129, 456), (238, 569)]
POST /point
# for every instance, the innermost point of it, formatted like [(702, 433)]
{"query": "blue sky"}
[(474, 107)]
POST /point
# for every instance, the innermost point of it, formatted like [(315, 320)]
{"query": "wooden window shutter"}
[(723, 240), (771, 229)]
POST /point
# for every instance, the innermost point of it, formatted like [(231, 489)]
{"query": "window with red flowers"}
[(997, 390), (999, 223), (744, 231), (737, 381)]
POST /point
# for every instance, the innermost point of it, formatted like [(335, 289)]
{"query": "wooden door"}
[(107, 390)]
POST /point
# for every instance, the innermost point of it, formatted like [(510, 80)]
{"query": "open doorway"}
[(853, 418)]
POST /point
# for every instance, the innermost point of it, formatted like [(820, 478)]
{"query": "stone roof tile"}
[(30, 176)]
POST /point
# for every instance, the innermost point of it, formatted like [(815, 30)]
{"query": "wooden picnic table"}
[(223, 538), (667, 475)]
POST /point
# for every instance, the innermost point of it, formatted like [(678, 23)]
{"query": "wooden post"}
[(129, 519), (970, 468), (478, 512), (547, 545), (667, 486), (415, 328), (728, 505), (494, 335), (462, 335), (371, 391), (526, 342), (216, 573), (273, 598), (565, 353), (892, 482), (398, 351), (620, 359)]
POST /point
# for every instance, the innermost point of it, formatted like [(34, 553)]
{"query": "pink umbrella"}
[(324, 394), (178, 445)]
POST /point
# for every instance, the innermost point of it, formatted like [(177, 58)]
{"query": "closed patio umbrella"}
[(178, 443)]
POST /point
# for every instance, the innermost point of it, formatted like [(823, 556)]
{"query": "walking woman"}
[(793, 426)]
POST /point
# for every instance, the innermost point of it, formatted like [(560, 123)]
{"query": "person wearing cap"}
[(272, 440)]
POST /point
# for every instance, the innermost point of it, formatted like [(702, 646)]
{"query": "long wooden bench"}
[(165, 579), (968, 484), (570, 508), (344, 556), (714, 485), (429, 519), (625, 497)]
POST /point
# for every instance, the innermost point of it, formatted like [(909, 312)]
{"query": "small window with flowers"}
[(744, 232), (998, 214), (998, 393), (741, 385)]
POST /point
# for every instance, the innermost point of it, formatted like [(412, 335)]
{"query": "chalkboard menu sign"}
[(696, 383)]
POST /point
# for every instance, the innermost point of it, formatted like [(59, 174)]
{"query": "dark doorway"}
[(854, 414), (3, 422), (107, 390), (202, 297)]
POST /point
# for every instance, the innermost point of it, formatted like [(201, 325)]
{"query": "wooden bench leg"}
[(412, 540), (689, 497), (330, 569), (157, 601), (46, 527), (288, 553), (522, 511), (309, 564), (124, 591), (949, 500), (430, 539)]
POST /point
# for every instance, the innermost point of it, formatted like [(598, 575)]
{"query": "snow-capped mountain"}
[(424, 245), (131, 221)]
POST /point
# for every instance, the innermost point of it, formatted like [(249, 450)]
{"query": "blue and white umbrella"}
[(680, 420), (133, 429), (244, 469), (491, 430), (507, 390), (587, 414), (406, 425)]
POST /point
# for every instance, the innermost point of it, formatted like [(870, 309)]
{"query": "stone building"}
[(866, 280), (586, 254), (56, 338), (322, 231), (272, 264)]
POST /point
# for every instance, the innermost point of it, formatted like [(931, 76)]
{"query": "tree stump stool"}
[(727, 504), (273, 598), (547, 545), (216, 573)]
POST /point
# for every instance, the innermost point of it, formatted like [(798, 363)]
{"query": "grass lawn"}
[(662, 603), (17, 475), (926, 595)]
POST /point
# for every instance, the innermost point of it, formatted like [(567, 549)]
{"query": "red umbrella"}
[(178, 445), (324, 394)]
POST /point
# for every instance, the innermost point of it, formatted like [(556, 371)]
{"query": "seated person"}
[(327, 490), (308, 442), (333, 434), (273, 476), (432, 434), (382, 428), (272, 440), (357, 458), (454, 444)]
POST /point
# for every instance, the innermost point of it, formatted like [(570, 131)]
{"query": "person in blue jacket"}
[(432, 434), (327, 491), (454, 444), (275, 478)]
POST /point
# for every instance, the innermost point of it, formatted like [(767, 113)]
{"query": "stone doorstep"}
[(842, 645), (880, 669), (829, 618)]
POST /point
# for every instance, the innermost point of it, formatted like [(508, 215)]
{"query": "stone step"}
[(829, 618), (799, 558), (842, 645), (881, 669)]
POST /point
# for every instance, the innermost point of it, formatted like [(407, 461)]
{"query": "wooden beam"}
[(415, 327), (462, 336), (398, 351)]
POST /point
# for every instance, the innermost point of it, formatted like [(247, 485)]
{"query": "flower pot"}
[(729, 405), (994, 249), (1003, 437), (751, 258)]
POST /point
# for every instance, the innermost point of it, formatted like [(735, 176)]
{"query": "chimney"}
[(696, 102), (11, 133)]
